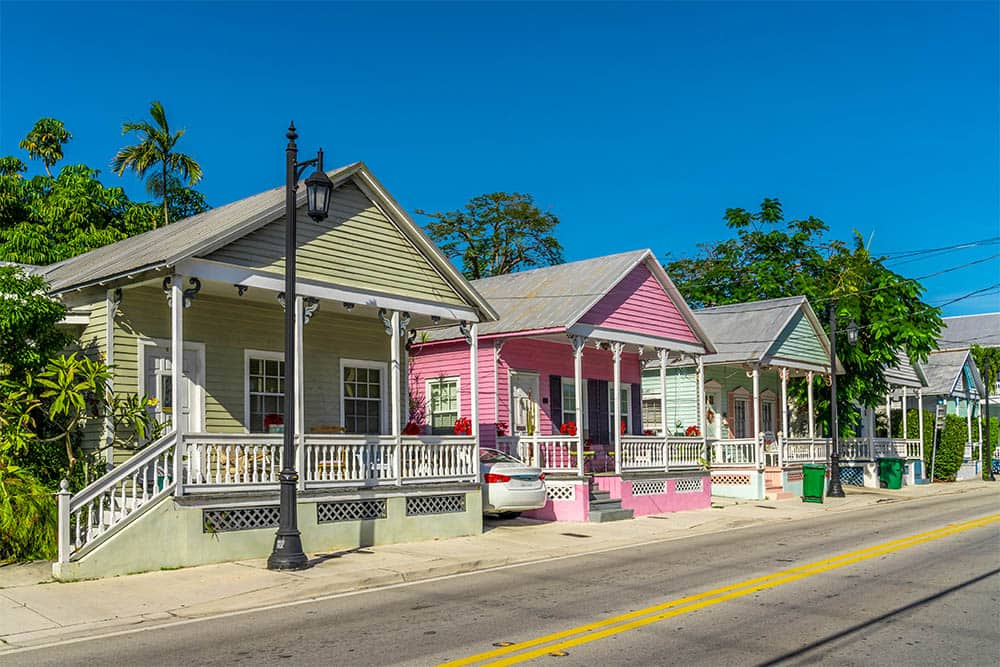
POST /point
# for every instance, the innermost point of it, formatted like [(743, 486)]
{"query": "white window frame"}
[(198, 384), (384, 399), (627, 415), (458, 396), (580, 415), (768, 397), (247, 356)]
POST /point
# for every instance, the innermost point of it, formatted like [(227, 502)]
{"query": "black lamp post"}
[(835, 489), (287, 553)]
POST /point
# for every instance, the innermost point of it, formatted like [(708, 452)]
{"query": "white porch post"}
[(905, 424), (395, 377), (474, 384), (177, 375), (661, 354), (920, 423), (700, 375), (888, 414), (755, 374), (300, 403), (812, 416), (784, 402), (616, 351), (578, 343), (968, 418)]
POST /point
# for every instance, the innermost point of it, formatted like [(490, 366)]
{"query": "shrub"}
[(28, 517)]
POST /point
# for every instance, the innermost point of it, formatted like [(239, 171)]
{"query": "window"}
[(652, 414), (626, 408), (569, 411), (739, 421), (767, 416), (442, 405), (265, 384), (362, 391)]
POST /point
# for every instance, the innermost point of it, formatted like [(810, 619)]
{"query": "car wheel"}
[(508, 515)]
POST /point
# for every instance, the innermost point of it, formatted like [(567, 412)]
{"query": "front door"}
[(524, 403), (158, 384), (713, 415)]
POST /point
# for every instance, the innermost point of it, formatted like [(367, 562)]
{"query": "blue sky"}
[(637, 124)]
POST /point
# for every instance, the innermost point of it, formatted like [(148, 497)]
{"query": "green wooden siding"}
[(228, 327), (357, 246), (93, 342), (799, 342)]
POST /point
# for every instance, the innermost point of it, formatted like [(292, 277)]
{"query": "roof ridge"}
[(564, 265), (797, 298)]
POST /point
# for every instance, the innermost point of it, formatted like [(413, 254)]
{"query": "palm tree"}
[(45, 141), (156, 148)]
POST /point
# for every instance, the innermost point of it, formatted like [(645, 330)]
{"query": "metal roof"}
[(905, 373), (943, 370), (549, 297), (964, 331), (744, 332)]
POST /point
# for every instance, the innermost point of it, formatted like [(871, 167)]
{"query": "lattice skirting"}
[(240, 518), (795, 476), (852, 475), (560, 492), (422, 505), (731, 479), (689, 485), (350, 510), (649, 487)]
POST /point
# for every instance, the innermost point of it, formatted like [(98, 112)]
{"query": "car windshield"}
[(496, 456)]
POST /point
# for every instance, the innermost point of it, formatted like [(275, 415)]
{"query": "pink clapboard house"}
[(569, 339)]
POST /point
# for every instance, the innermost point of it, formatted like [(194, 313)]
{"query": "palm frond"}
[(159, 115), (186, 166)]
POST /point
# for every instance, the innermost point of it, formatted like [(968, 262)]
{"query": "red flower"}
[(411, 428), (569, 428), (693, 431), (463, 426), (501, 428)]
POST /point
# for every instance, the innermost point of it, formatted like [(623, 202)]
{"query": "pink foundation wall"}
[(671, 501)]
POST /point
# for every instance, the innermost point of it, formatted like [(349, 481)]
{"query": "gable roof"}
[(905, 373), (557, 297), (964, 331), (750, 332), (206, 232), (944, 369)]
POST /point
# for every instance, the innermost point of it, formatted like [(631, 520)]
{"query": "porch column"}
[(920, 423), (395, 374), (812, 416), (661, 354), (177, 375), (578, 343), (784, 402), (755, 374), (474, 384), (888, 414), (300, 403), (968, 418), (904, 412), (616, 351), (700, 403)]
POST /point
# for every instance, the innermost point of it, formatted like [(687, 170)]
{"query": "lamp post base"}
[(287, 553), (834, 490)]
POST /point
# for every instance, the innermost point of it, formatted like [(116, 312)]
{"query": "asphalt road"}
[(927, 600)]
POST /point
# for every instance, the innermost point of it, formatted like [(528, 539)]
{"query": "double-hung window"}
[(442, 405), (570, 413), (265, 389), (626, 407), (362, 389)]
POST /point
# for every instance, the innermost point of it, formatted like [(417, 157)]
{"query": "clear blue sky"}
[(637, 124)]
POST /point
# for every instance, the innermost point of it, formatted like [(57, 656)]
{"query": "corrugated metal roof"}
[(549, 297), (943, 369), (904, 373), (744, 332), (967, 330), (179, 240)]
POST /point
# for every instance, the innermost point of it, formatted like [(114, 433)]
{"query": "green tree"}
[(156, 150), (29, 334), (45, 142), (771, 257), (497, 233)]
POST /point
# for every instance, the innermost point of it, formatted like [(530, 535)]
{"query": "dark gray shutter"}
[(636, 409), (555, 402), (597, 412)]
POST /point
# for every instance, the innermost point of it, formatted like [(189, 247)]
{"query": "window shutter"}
[(597, 411), (636, 409), (555, 402)]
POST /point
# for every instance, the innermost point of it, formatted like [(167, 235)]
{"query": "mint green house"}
[(208, 291), (738, 396)]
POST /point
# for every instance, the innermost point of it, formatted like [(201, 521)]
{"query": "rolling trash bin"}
[(813, 481), (890, 473)]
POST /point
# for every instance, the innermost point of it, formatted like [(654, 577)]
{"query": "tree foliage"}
[(771, 257), (496, 234), (988, 362), (157, 155), (28, 318), (45, 142)]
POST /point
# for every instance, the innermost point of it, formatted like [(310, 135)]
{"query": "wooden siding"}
[(640, 304), (518, 354), (800, 342), (93, 342), (228, 327), (357, 246)]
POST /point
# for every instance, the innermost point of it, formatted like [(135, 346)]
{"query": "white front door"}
[(524, 403), (158, 384), (713, 415)]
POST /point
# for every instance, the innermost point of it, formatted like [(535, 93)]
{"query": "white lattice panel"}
[(350, 510), (418, 505), (560, 492), (731, 479), (649, 487), (688, 485), (239, 518)]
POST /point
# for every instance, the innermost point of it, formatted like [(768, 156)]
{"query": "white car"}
[(509, 485)]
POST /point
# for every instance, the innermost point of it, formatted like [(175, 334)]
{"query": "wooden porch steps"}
[(604, 508)]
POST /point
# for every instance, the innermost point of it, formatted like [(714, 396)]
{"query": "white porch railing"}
[(869, 449), (740, 453), (648, 452), (228, 460), (803, 450), (111, 500), (551, 453)]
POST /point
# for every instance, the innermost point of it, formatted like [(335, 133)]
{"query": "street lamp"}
[(287, 553), (835, 489)]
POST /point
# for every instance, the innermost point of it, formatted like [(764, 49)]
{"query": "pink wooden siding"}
[(640, 304), (518, 354)]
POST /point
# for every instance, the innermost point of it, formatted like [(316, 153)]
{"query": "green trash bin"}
[(813, 481), (890, 473)]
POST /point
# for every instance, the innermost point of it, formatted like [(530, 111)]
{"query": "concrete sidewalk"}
[(34, 609)]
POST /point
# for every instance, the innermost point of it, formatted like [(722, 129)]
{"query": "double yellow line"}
[(560, 641)]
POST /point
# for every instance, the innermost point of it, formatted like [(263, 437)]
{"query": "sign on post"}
[(939, 417)]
